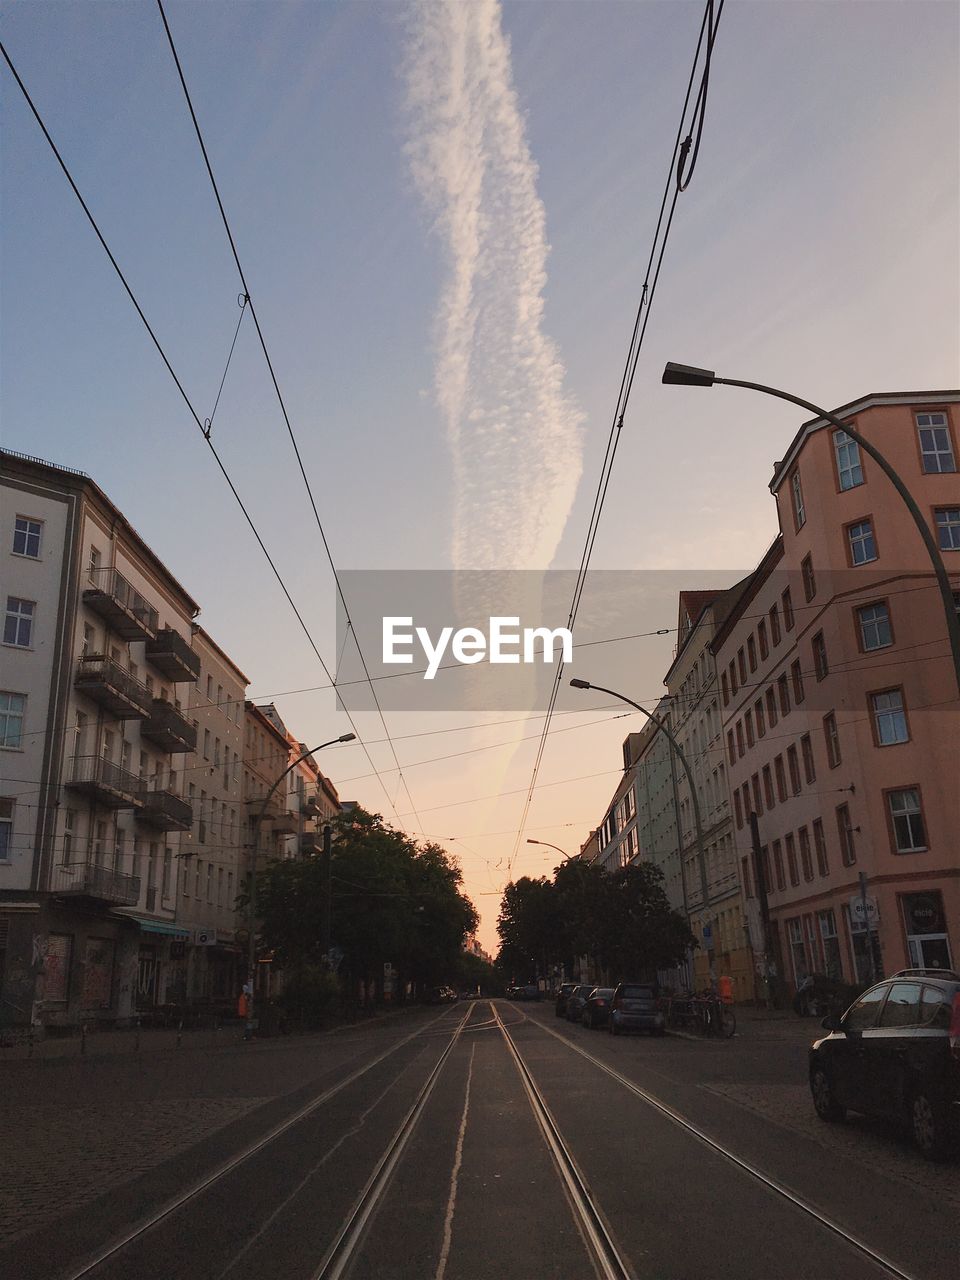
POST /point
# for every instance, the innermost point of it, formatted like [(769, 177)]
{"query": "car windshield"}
[(637, 993)]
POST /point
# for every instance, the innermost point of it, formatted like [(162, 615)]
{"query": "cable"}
[(187, 401), (283, 407)]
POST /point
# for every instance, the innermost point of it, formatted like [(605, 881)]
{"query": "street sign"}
[(204, 937), (857, 913), (387, 969)]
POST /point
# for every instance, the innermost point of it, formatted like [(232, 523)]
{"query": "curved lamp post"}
[(675, 746), (546, 843), (688, 376), (252, 896)]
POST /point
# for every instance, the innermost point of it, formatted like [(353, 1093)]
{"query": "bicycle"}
[(716, 1018)]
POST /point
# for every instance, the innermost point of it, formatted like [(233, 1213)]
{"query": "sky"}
[(444, 213)]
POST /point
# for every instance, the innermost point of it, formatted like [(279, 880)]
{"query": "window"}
[(6, 827), (740, 747), (768, 786), (210, 688), (832, 739), (737, 809), (745, 877), (210, 882), (725, 686), (206, 744), (755, 784), (799, 515), (759, 717), (771, 707), (860, 539), (732, 669), (792, 859), (848, 852), (742, 666), (796, 676), (809, 579), (831, 945), (935, 1009), (748, 725), (752, 653), (936, 450), (731, 748), (762, 638), (774, 616), (786, 601), (849, 468), (909, 835), (18, 623), (793, 764), (820, 665), (820, 843), (167, 873), (781, 778), (806, 860), (12, 708), (26, 537), (903, 1006), (778, 864), (783, 693), (806, 750), (874, 623), (863, 1014), (93, 566), (889, 718), (948, 528)]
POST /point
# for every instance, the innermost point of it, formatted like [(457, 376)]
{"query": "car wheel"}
[(825, 1105), (929, 1126)]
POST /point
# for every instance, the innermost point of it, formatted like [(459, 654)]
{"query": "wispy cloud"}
[(513, 431)]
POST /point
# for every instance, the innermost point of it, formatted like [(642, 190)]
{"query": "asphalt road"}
[(483, 1141)]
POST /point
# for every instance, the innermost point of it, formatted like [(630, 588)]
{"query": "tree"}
[(641, 933), (527, 926)]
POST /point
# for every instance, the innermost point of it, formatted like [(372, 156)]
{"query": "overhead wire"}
[(708, 27), (281, 401), (186, 399)]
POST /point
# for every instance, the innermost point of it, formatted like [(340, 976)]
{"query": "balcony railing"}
[(105, 782), (164, 810), (284, 823), (170, 653), (88, 880), (311, 844), (169, 728), (123, 607), (106, 682)]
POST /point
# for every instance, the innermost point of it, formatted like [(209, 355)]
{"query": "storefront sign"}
[(857, 918), (923, 913)]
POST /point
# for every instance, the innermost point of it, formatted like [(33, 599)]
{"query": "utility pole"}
[(760, 881), (325, 942)]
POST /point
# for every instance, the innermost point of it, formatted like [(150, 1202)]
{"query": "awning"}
[(155, 926)]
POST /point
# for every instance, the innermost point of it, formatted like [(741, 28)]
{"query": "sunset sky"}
[(444, 213)]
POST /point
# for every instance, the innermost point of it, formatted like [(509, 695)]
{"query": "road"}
[(482, 1141)]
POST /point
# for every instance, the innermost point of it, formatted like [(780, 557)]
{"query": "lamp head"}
[(687, 375), (580, 684), (347, 737)]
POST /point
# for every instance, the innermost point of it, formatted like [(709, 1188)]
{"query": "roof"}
[(747, 590), (694, 605), (874, 400), (208, 639), (252, 709), (79, 480)]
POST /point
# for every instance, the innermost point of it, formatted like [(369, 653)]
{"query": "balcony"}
[(168, 728), (284, 823), (88, 880), (170, 653), (116, 690), (164, 810), (311, 844), (120, 605), (104, 782)]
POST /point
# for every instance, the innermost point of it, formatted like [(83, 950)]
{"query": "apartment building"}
[(715, 905), (97, 668), (309, 798), (839, 701), (266, 755), (214, 855), (650, 754)]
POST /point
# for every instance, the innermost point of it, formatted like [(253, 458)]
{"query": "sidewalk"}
[(781, 1025)]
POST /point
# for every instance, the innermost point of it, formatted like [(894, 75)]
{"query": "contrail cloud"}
[(514, 433)]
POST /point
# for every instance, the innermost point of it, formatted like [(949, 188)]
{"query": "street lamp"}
[(675, 746), (688, 376), (252, 896), (566, 856)]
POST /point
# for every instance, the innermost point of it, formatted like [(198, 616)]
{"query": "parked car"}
[(635, 1007), (895, 1053), (596, 1011), (563, 992), (577, 999)]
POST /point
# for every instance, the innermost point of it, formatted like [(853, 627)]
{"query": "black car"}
[(562, 993), (596, 1011), (895, 1053), (577, 999)]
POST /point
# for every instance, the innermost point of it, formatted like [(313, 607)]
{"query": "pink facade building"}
[(839, 701)]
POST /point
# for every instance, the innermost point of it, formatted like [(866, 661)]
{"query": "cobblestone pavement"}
[(870, 1142), (50, 1169)]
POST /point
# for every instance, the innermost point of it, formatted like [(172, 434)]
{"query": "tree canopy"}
[(621, 918), (394, 901)]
